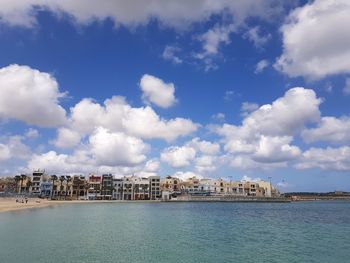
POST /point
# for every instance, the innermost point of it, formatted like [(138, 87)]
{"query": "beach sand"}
[(9, 204)]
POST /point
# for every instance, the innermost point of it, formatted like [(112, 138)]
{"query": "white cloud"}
[(205, 163), (152, 165), (156, 91), (132, 13), (219, 116), (36, 100), (53, 162), (254, 35), (205, 147), (67, 138), (261, 65), (327, 159), (245, 162), (116, 115), (213, 38), (211, 42), (169, 54), (4, 152), (275, 149), (264, 138), (329, 129), (248, 107), (246, 178), (151, 168), (316, 40), (116, 148), (346, 89), (178, 156), (184, 176), (32, 133), (284, 184), (12, 147), (105, 152), (285, 116)]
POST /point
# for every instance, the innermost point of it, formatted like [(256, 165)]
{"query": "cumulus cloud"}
[(151, 168), (37, 97), (54, 162), (32, 133), (67, 138), (169, 54), (219, 116), (205, 163), (116, 148), (184, 176), (275, 149), (245, 162), (248, 107), (246, 178), (346, 89), (329, 129), (4, 152), (326, 158), (212, 39), (315, 41), (285, 116), (254, 35), (261, 65), (203, 146), (177, 156), (156, 91), (264, 139), (117, 115), (138, 12), (211, 42), (12, 147), (105, 151)]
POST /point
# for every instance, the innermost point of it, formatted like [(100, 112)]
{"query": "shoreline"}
[(10, 205)]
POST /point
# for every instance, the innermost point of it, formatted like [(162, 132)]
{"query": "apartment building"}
[(107, 186), (171, 185), (154, 185), (36, 180)]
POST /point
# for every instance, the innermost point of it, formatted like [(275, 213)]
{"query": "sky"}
[(214, 89)]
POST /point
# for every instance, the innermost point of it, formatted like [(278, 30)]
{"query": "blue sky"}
[(205, 88)]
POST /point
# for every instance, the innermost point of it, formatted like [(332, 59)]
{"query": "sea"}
[(317, 231)]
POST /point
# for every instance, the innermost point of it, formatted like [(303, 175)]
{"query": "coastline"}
[(10, 205)]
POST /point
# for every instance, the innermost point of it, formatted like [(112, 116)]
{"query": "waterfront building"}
[(141, 189), (190, 186), (36, 181), (171, 185), (207, 186), (94, 190), (266, 187), (128, 186), (80, 187), (219, 186), (154, 185), (23, 183), (107, 186), (45, 189), (117, 189)]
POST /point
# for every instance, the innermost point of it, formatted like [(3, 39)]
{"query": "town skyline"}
[(250, 89)]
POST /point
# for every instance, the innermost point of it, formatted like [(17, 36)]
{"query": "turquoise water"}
[(178, 232)]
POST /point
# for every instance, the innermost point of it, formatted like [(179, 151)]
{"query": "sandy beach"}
[(9, 204)]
